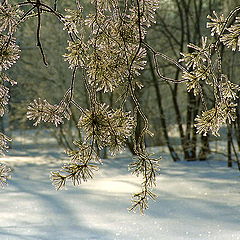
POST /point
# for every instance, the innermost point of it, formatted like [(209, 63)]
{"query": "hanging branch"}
[(39, 44), (108, 47)]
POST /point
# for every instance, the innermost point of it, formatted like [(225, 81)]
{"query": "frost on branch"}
[(107, 5), (108, 128), (42, 111), (76, 54), (203, 65), (232, 38), (83, 162), (216, 24), (106, 72), (4, 174), (4, 98), (149, 168), (9, 52), (73, 20), (199, 65), (224, 110), (229, 36), (109, 52), (212, 120), (9, 17), (5, 78), (148, 8), (4, 170), (4, 143), (106, 48), (198, 56)]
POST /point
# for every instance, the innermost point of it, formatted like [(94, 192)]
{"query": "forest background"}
[(171, 109)]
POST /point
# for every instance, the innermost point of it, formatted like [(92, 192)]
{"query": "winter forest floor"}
[(197, 200)]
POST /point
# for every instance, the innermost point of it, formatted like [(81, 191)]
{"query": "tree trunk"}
[(173, 153), (237, 122), (205, 148), (190, 145), (179, 121), (229, 145)]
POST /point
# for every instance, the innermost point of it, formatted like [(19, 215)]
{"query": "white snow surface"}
[(197, 200)]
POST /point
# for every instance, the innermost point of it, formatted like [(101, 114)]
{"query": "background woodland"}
[(171, 109)]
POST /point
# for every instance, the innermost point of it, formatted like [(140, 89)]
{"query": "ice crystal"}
[(138, 62), (145, 9), (148, 9), (211, 120), (4, 174), (9, 52), (58, 180), (77, 54), (5, 78), (216, 24), (107, 68), (104, 4), (9, 17), (198, 57), (41, 110), (228, 89), (4, 98), (4, 143), (232, 38), (73, 20), (83, 162), (148, 167), (107, 127)]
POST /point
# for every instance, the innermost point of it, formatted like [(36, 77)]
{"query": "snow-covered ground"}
[(197, 200)]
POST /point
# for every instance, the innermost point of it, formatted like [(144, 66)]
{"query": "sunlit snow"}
[(197, 200)]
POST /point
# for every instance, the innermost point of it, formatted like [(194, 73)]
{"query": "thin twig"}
[(38, 3), (77, 106)]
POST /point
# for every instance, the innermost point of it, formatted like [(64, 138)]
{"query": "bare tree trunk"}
[(194, 130), (190, 13), (190, 137), (236, 155), (173, 153), (174, 92), (229, 145), (237, 124), (2, 129), (205, 148), (138, 129)]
